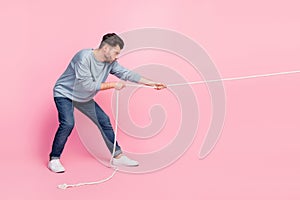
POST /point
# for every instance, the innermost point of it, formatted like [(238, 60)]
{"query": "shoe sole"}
[(123, 165), (59, 172)]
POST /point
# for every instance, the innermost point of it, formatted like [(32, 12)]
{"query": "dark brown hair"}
[(112, 39)]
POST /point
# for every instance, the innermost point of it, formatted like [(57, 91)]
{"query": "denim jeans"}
[(92, 110)]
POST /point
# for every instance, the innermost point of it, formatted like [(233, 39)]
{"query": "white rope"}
[(65, 186), (223, 79)]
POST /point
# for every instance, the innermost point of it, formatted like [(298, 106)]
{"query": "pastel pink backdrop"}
[(257, 156)]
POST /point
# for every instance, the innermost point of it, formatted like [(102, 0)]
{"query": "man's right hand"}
[(119, 85)]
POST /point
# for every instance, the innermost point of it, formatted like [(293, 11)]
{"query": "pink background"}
[(257, 156)]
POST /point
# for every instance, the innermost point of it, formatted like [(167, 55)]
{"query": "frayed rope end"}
[(63, 186)]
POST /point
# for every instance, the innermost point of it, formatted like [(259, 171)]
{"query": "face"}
[(111, 53)]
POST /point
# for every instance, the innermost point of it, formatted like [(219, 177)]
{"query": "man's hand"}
[(155, 85), (159, 86), (119, 85)]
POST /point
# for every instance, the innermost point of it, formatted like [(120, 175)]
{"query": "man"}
[(76, 87)]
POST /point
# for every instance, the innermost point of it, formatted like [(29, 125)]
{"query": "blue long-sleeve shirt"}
[(83, 77)]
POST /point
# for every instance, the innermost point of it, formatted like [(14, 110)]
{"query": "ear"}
[(105, 48)]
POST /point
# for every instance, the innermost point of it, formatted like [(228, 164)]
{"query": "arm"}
[(123, 73), (156, 85), (126, 74), (121, 85), (110, 85)]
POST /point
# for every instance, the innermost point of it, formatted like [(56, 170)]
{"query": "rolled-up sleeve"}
[(123, 73)]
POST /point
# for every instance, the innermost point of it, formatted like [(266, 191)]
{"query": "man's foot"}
[(124, 161), (55, 166)]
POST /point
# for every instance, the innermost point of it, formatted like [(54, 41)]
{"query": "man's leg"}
[(65, 110), (100, 118), (92, 110)]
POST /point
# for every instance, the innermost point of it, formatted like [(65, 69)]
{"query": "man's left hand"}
[(159, 86)]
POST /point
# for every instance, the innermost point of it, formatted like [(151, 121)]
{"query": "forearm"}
[(155, 85), (108, 85)]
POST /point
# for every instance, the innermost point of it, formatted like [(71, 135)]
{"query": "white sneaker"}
[(124, 161), (56, 166)]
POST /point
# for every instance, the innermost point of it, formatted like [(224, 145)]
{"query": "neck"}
[(99, 55)]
